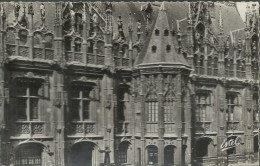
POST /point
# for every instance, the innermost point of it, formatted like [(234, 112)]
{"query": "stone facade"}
[(127, 83)]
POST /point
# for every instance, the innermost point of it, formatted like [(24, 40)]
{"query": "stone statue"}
[(17, 9), (95, 18), (30, 9), (42, 10), (120, 28), (139, 26)]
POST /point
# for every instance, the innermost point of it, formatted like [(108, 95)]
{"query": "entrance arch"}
[(152, 155), (122, 152), (202, 147), (83, 154), (169, 155), (29, 154)]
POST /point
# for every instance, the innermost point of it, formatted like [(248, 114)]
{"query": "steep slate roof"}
[(173, 11), (161, 42)]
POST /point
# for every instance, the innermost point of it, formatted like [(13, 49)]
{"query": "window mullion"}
[(28, 104), (81, 105)]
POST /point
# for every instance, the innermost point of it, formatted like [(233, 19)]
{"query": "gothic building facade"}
[(128, 83)]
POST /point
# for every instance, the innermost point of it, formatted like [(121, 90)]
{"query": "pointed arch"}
[(29, 154), (202, 147), (169, 155), (83, 153), (37, 39), (152, 155), (123, 151)]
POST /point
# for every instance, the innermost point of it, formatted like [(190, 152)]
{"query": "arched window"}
[(29, 155), (169, 155), (154, 49), (152, 155), (122, 152), (78, 44), (202, 147), (83, 153), (67, 43)]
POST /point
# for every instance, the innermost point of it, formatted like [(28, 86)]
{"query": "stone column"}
[(59, 91), (179, 120), (221, 119), (3, 135), (160, 122), (188, 122)]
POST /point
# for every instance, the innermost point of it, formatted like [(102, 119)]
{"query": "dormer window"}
[(168, 48), (157, 32), (166, 32), (154, 49)]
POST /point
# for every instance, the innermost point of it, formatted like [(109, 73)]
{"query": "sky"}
[(241, 7)]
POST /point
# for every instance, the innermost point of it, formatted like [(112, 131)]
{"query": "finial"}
[(120, 28), (220, 22), (84, 19), (162, 8), (130, 25), (16, 10), (30, 9), (42, 9), (24, 9)]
